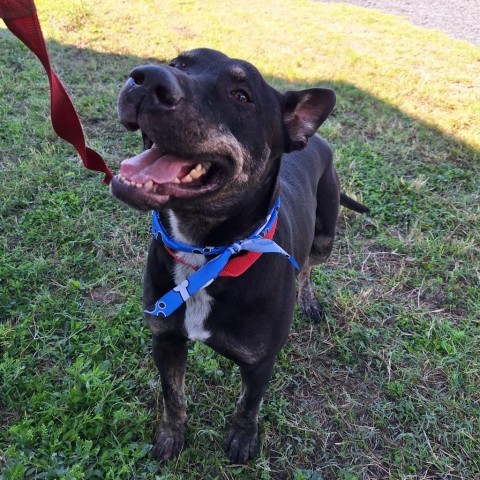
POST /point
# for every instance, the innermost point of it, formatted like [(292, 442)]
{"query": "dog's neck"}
[(221, 226)]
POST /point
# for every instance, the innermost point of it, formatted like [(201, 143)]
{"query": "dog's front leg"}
[(241, 442), (170, 356)]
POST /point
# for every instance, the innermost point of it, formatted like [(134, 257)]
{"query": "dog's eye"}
[(177, 64), (240, 96)]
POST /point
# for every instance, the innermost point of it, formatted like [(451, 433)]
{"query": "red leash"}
[(21, 19)]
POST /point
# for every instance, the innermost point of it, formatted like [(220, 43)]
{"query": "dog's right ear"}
[(303, 112)]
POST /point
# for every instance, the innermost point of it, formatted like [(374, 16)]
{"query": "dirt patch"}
[(458, 19)]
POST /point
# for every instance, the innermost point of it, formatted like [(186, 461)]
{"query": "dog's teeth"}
[(139, 185), (195, 174), (187, 179), (149, 184)]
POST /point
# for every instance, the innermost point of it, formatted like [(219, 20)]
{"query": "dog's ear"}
[(303, 112)]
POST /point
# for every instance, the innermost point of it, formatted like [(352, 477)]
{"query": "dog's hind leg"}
[(328, 201), (306, 299)]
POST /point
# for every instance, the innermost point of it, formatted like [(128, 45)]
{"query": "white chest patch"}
[(198, 306)]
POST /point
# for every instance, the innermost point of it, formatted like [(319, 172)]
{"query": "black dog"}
[(221, 146)]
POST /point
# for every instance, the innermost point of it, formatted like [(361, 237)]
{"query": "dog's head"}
[(212, 129)]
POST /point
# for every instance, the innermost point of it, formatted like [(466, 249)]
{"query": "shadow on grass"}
[(418, 182)]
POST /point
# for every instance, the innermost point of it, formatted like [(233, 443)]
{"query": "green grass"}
[(387, 387)]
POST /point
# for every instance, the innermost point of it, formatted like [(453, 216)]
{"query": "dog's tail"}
[(351, 204)]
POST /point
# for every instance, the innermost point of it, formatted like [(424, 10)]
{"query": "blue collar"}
[(203, 277)]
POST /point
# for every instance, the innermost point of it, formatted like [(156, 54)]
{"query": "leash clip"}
[(235, 247)]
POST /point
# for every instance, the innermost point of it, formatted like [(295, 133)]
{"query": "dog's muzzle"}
[(157, 86)]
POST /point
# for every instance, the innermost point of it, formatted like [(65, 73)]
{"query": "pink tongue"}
[(152, 165)]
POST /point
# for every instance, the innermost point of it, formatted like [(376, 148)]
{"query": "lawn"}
[(387, 387)]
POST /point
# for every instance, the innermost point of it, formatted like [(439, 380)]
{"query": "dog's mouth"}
[(156, 176), (153, 170)]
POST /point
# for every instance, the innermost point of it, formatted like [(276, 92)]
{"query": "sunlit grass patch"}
[(425, 73)]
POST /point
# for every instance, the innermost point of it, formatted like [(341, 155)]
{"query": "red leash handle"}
[(21, 19)]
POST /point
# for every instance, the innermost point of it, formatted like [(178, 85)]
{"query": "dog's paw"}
[(307, 301), (314, 312), (168, 443), (241, 445)]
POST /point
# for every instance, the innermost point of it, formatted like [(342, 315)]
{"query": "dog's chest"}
[(198, 306)]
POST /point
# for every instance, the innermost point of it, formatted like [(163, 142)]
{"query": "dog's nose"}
[(161, 82)]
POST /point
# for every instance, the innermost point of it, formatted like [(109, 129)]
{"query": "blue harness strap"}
[(204, 276)]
